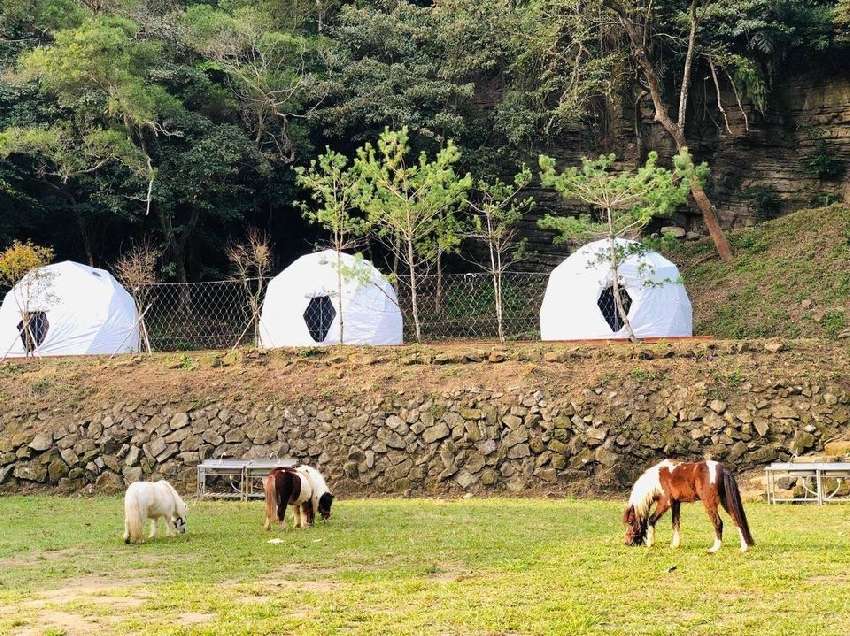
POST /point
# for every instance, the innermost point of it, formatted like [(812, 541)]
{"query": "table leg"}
[(767, 486), (772, 488), (819, 486)]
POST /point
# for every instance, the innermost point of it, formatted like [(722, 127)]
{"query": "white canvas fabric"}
[(660, 305), (370, 310), (87, 310)]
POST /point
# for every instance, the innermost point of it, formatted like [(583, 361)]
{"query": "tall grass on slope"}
[(790, 278)]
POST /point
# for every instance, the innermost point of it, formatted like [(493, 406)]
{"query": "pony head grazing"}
[(325, 503), (181, 511), (645, 491), (635, 527)]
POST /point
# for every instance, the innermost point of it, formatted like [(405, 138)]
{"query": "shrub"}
[(764, 200)]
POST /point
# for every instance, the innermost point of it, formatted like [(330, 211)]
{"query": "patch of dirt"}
[(829, 579), (279, 582), (753, 484), (49, 606), (447, 577), (256, 599), (194, 618), (317, 580), (318, 587), (448, 573), (35, 558), (65, 622)]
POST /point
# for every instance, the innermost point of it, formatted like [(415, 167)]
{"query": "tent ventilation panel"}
[(36, 330), (319, 317), (608, 307)]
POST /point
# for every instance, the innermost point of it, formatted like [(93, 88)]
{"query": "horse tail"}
[(730, 497), (133, 524), (269, 485)]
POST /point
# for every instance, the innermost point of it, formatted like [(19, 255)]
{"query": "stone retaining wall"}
[(474, 439)]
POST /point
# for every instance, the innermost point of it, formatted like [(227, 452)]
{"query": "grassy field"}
[(480, 566)]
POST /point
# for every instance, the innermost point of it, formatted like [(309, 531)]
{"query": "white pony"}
[(320, 497), (152, 500)]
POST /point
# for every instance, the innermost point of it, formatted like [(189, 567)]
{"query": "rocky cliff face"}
[(794, 155), (525, 418), (797, 150)]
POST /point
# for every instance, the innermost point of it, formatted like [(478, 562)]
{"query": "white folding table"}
[(813, 475)]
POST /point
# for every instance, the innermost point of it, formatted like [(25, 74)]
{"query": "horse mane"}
[(179, 504), (647, 489)]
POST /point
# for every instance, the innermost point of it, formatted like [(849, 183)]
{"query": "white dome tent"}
[(72, 309), (579, 299), (302, 303)]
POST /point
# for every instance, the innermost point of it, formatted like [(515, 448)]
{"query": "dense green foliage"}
[(628, 200), (184, 120)]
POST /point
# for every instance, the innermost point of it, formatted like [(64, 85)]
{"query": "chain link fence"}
[(192, 316), (217, 315), (463, 306)]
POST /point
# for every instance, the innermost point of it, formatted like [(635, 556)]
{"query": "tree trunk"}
[(413, 299), (339, 295), (709, 217), (29, 336), (676, 129), (615, 281), (496, 271), (396, 253), (84, 233), (143, 330), (256, 309), (178, 246), (497, 292)]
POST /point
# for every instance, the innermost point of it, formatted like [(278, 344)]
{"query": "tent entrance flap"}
[(319, 317), (608, 307), (33, 329)]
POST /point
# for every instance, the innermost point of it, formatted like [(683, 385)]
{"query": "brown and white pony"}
[(668, 484), (288, 486)]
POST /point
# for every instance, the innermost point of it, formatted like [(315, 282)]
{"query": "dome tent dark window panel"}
[(34, 330), (319, 317), (608, 307)]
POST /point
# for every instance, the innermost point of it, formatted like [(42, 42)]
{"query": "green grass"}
[(804, 256), (480, 566)]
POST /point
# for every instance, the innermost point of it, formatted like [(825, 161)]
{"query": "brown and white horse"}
[(288, 486), (670, 483)]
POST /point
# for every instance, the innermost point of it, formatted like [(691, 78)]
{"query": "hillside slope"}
[(790, 278)]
